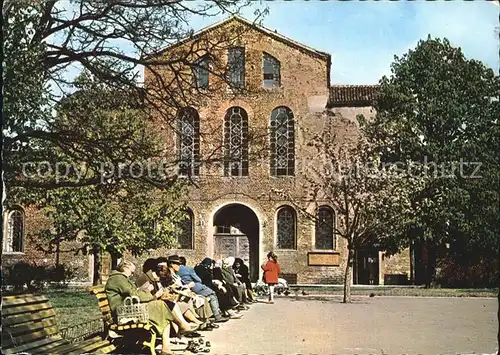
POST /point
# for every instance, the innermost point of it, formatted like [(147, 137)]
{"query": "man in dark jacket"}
[(224, 294), (189, 277)]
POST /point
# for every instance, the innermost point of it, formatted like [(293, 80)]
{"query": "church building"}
[(253, 124)]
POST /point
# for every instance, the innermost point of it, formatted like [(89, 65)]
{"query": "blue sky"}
[(363, 37)]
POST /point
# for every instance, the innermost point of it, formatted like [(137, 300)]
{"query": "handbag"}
[(132, 311), (169, 295)]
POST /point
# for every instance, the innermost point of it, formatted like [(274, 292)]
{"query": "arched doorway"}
[(236, 233)]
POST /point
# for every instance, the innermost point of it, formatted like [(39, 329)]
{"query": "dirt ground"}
[(378, 325)]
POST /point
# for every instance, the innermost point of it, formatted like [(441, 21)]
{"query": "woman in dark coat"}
[(237, 286), (224, 294), (241, 272)]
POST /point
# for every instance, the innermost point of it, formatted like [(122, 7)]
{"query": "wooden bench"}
[(122, 333), (29, 326)]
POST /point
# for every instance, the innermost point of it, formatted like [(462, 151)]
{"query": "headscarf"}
[(239, 260), (207, 262), (229, 261), (218, 263)]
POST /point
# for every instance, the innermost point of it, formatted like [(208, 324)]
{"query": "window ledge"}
[(13, 252), (188, 177), (235, 91), (272, 88)]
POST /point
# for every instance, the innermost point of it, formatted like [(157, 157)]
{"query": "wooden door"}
[(232, 245)]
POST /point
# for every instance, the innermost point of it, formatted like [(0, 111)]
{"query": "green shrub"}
[(35, 277)]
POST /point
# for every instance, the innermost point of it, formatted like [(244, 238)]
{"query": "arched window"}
[(189, 142), (271, 71), (185, 237), (286, 226), (14, 241), (282, 142), (325, 227), (236, 142)]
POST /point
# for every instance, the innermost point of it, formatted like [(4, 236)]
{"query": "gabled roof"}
[(279, 37), (352, 95)]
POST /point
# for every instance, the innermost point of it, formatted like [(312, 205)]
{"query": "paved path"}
[(379, 325)]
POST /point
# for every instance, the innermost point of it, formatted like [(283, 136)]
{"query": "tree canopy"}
[(113, 41), (440, 110)]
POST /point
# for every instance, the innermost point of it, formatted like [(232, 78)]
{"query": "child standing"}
[(271, 272)]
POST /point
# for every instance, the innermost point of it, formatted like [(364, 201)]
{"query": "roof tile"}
[(352, 95)]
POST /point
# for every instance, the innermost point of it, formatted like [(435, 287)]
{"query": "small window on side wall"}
[(286, 226), (271, 71), (200, 72), (236, 67), (14, 241), (325, 229), (185, 237)]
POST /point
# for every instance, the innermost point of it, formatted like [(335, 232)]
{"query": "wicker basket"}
[(132, 311)]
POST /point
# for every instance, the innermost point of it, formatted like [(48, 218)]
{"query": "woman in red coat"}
[(271, 272)]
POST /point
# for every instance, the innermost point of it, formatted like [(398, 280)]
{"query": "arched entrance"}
[(236, 233)]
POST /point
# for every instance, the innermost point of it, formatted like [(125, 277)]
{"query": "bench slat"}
[(6, 298), (28, 317), (23, 300), (6, 311), (96, 289), (32, 327), (86, 346), (28, 347), (49, 348), (106, 349), (103, 303), (102, 299), (118, 328), (30, 337), (29, 325)]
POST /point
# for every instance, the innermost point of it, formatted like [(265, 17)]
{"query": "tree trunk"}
[(348, 275), (412, 263), (114, 260), (58, 251), (431, 266), (96, 251)]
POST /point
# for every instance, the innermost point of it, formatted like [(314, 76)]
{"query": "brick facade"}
[(305, 89), (35, 250)]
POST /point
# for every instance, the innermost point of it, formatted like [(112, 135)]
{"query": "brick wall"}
[(36, 250)]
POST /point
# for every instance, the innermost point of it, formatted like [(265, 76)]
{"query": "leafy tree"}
[(119, 210), (102, 220), (441, 110), (44, 41), (372, 201)]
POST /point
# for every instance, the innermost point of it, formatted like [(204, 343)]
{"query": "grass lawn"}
[(73, 306)]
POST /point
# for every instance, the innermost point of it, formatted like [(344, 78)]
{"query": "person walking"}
[(271, 273)]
